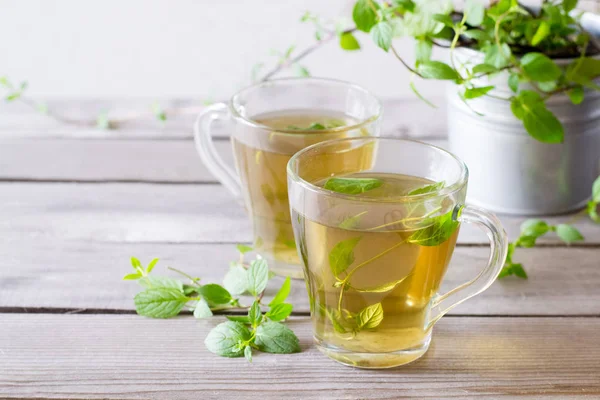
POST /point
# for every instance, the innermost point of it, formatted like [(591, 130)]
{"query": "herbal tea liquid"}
[(262, 168), (373, 274)]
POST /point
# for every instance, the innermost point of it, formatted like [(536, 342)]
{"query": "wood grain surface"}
[(77, 202), (130, 357), (86, 276)]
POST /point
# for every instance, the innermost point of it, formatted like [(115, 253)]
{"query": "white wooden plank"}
[(405, 117), (39, 273), (129, 357), (140, 212)]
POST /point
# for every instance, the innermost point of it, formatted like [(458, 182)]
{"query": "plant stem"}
[(194, 281), (404, 62)]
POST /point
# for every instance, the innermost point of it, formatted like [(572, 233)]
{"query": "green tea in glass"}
[(270, 122), (376, 241)]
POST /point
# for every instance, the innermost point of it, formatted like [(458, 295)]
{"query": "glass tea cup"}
[(268, 123), (375, 242)]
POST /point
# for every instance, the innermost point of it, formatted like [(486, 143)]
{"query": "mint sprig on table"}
[(165, 297)]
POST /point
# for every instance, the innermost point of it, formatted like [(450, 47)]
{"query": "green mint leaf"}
[(569, 5), (498, 56), (517, 269), (243, 248), (370, 317), (505, 271), (239, 318), (434, 187), (526, 241), (352, 221), (215, 294), (155, 281), (151, 266), (254, 314), (476, 34), (596, 190), (258, 276), (131, 277), (248, 353), (224, 339), (513, 82), (13, 96), (475, 12), (484, 69), (135, 263), (342, 255), (540, 67), (576, 95), (541, 33), (363, 15), (202, 310), (301, 71), (473, 93), (423, 49), (438, 232), (382, 34), (279, 312), (283, 293), (534, 227), (568, 233), (336, 321), (592, 211), (236, 280), (160, 302), (386, 287), (444, 19), (539, 122), (349, 42), (274, 337), (437, 70), (352, 185), (583, 70), (189, 289)]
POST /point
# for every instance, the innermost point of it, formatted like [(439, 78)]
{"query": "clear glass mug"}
[(261, 121), (374, 261)]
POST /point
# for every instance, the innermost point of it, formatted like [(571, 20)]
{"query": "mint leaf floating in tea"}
[(351, 222), (228, 339), (434, 187), (318, 126), (274, 337), (438, 232), (352, 185), (342, 256), (385, 287), (370, 317)]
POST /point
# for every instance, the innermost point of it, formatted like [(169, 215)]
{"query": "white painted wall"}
[(167, 48), (188, 48)]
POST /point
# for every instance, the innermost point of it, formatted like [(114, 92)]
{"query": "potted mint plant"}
[(525, 116)]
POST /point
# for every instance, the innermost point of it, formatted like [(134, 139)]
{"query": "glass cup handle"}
[(499, 245), (206, 148)]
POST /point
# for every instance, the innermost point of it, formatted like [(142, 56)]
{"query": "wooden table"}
[(76, 203)]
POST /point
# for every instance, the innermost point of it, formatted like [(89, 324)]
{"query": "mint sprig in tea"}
[(374, 268), (262, 168)]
